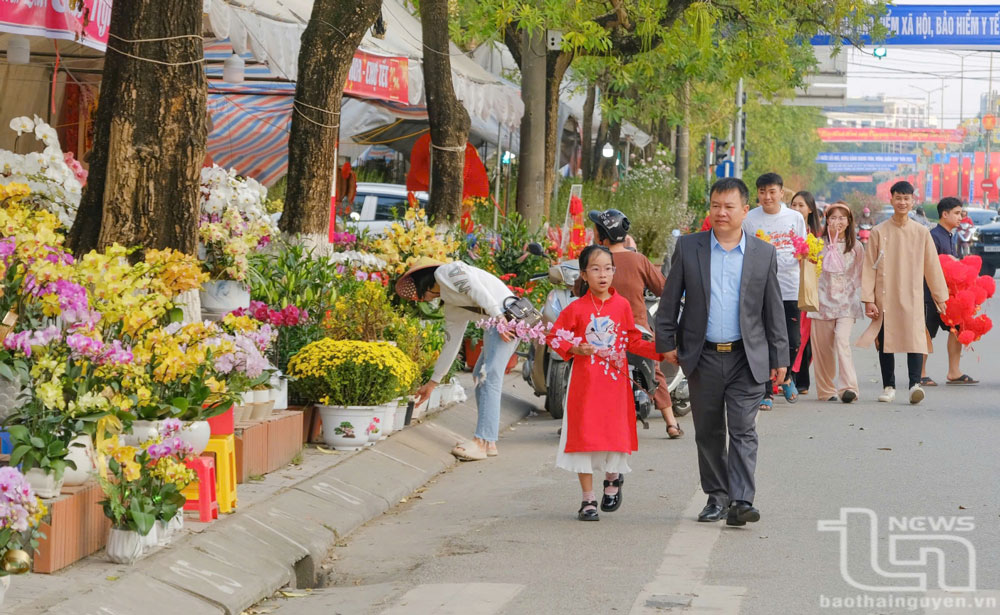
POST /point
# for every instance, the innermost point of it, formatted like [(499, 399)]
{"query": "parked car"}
[(886, 212), (986, 244), (981, 217), (379, 205)]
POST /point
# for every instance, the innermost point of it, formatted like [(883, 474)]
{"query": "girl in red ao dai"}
[(599, 425)]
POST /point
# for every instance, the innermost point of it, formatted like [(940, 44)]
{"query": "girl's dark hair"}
[(585, 257), (812, 221), (423, 281), (850, 235)]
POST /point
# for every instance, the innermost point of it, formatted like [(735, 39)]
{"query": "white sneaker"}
[(916, 394), (889, 394)]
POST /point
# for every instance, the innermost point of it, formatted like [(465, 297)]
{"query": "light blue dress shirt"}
[(724, 303)]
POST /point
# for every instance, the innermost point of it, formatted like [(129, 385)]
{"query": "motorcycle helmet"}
[(611, 224), (866, 211)]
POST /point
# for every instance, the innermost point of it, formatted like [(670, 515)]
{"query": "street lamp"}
[(608, 150)]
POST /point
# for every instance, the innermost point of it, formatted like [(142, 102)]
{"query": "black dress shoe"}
[(740, 513), (610, 503), (588, 514), (711, 512)]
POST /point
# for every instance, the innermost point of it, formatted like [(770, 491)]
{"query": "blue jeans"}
[(488, 376)]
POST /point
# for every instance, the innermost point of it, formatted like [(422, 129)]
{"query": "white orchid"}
[(21, 125)]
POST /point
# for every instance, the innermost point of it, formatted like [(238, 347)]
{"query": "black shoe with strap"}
[(610, 503), (588, 512)]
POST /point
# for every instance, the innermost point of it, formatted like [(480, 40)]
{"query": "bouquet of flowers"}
[(404, 243), (809, 249)]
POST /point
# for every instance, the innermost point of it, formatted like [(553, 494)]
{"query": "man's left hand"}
[(778, 374)]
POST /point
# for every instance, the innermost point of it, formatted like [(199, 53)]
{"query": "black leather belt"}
[(725, 347)]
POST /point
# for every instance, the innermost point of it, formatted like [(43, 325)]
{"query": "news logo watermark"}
[(906, 554)]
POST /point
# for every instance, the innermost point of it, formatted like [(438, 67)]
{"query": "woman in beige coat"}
[(899, 258)]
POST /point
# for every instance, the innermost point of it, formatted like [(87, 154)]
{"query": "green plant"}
[(292, 274)]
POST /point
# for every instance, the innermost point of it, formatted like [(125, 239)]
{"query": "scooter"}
[(544, 370), (677, 384), (864, 232), (966, 231)]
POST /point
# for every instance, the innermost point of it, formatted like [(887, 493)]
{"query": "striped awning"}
[(250, 125)]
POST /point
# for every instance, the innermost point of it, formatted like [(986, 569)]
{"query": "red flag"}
[(979, 169), (951, 177), (936, 182)]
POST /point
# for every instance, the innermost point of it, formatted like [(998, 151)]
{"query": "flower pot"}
[(219, 297), (124, 546), (141, 431), (168, 531), (10, 390), (399, 415), (83, 457), (151, 540), (388, 418), (43, 483), (409, 411), (262, 410), (350, 421), (4, 586), (196, 433), (279, 392), (435, 400), (376, 422)]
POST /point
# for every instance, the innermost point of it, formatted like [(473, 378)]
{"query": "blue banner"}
[(828, 157), (935, 25), (859, 167)]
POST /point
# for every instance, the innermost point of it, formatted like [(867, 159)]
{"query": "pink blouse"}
[(840, 293)]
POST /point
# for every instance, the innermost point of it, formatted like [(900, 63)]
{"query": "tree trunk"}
[(599, 141), (531, 166), (556, 64), (329, 41), (606, 169), (684, 144), (448, 119), (587, 155), (149, 137)]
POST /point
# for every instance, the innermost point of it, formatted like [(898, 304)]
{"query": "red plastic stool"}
[(200, 494)]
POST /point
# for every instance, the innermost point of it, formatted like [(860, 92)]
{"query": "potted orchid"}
[(22, 514), (233, 224), (53, 178)]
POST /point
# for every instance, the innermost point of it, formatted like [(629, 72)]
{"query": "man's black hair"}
[(902, 187), (947, 204), (727, 184), (770, 179)]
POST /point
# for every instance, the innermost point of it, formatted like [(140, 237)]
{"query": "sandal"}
[(766, 405), (790, 392), (927, 382), (963, 379), (610, 503), (677, 429), (469, 451), (492, 452), (588, 512)]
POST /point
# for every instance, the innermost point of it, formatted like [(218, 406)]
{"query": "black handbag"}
[(519, 308)]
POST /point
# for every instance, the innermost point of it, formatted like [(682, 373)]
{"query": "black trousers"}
[(792, 315), (887, 363), (802, 381)]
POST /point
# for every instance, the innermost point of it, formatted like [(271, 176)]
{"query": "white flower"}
[(355, 216), (21, 125)]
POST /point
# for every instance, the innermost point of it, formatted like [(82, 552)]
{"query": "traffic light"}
[(721, 150), (743, 139)]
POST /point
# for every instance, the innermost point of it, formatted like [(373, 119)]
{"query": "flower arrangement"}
[(21, 514), (143, 484), (54, 184), (967, 291), (809, 249), (404, 243), (351, 373)]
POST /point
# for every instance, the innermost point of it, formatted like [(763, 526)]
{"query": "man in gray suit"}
[(731, 341)]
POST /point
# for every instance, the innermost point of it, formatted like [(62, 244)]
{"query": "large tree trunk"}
[(329, 41), (587, 154), (532, 169), (556, 64), (149, 136), (684, 144), (448, 119)]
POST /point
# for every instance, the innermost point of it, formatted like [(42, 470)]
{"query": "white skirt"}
[(591, 462)]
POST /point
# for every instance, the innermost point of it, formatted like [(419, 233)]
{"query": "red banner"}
[(379, 77), (88, 24), (912, 135), (936, 181), (980, 173), (951, 177)]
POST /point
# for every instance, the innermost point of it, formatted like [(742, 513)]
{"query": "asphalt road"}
[(501, 536)]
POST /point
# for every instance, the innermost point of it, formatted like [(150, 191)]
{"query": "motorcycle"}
[(864, 232), (966, 233)]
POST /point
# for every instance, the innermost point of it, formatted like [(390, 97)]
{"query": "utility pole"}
[(708, 165), (989, 135), (738, 139)]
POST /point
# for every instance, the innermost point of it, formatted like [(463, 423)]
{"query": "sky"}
[(910, 73)]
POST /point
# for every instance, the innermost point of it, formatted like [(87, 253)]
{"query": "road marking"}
[(678, 584), (455, 599)]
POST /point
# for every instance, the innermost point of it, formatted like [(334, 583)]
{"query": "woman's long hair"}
[(814, 223)]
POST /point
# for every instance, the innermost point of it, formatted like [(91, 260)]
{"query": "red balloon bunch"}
[(967, 291)]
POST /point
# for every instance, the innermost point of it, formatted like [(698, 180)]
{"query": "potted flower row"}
[(19, 526), (358, 387)]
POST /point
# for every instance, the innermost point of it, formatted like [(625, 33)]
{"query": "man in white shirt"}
[(780, 224)]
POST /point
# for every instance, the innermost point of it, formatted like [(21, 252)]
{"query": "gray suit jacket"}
[(762, 314)]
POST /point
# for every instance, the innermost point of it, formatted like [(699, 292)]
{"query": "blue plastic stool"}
[(6, 447)]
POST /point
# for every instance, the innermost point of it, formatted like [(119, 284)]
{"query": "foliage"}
[(784, 139), (292, 274), (351, 373), (21, 514)]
